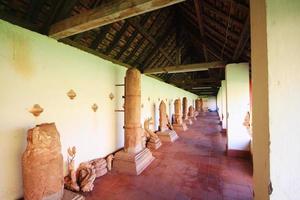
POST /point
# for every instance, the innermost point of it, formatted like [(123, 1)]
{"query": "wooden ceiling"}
[(184, 43)]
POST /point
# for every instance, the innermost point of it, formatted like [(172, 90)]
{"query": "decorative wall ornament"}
[(142, 106), (71, 94), (95, 107), (148, 98), (111, 96), (158, 99), (36, 110)]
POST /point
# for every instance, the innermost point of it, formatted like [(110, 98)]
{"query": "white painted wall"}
[(238, 103), (283, 31), (224, 104), (37, 69), (209, 103)]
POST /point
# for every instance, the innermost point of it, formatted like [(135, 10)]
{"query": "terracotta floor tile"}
[(195, 167)]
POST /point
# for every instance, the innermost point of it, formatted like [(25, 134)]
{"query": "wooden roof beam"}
[(200, 24), (185, 68), (151, 39), (242, 40), (113, 11)]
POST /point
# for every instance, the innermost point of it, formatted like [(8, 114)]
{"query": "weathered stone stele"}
[(153, 141), (165, 133), (42, 164), (178, 124), (191, 113), (185, 117), (133, 159)]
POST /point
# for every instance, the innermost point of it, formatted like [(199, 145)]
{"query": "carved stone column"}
[(178, 125), (165, 133), (42, 164), (191, 113), (133, 159)]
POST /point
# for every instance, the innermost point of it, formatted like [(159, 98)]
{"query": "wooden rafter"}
[(117, 37), (108, 13), (151, 39), (242, 41), (200, 24), (185, 68), (99, 37)]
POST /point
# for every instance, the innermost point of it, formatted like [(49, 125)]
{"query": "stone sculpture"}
[(71, 179), (109, 160), (134, 158), (165, 133), (191, 113), (185, 117), (42, 164), (86, 175), (153, 141), (100, 166), (36, 110), (178, 124)]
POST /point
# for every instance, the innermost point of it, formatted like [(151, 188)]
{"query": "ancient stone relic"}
[(71, 179), (42, 164), (86, 175), (165, 133), (36, 110), (109, 160), (185, 117), (178, 124), (191, 113), (133, 159), (95, 107), (71, 94), (153, 141)]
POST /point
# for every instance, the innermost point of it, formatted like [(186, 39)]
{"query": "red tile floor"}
[(194, 167)]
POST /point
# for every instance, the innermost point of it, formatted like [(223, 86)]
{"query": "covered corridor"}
[(194, 167)]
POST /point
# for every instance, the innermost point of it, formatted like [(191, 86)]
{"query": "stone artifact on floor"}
[(86, 175), (191, 113), (133, 159), (71, 179), (178, 124), (153, 141), (100, 166), (42, 164), (185, 117), (109, 161), (165, 133)]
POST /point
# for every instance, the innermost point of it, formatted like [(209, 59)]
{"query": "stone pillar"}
[(178, 124), (201, 104), (191, 113), (134, 158), (42, 164)]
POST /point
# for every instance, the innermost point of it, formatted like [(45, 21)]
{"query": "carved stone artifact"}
[(191, 113), (153, 141), (185, 117), (71, 179), (86, 175), (109, 161), (100, 166), (42, 164), (36, 110), (133, 159), (165, 133), (94, 107), (71, 94), (178, 124)]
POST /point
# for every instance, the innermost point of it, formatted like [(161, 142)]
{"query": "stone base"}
[(131, 163), (168, 136), (180, 127), (153, 144)]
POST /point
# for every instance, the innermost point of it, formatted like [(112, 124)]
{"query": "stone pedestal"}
[(178, 124), (165, 134), (132, 163), (42, 164), (134, 158), (168, 136), (153, 143)]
